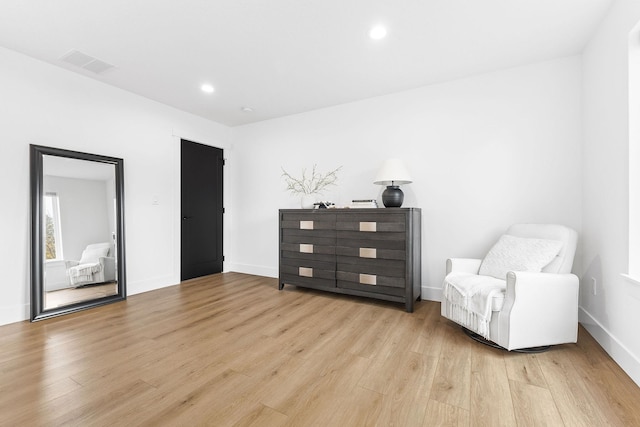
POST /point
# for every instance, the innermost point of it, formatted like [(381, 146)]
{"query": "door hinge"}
[(223, 210), (224, 162), (223, 257)]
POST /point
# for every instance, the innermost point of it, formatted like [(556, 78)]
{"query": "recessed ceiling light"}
[(207, 88), (378, 32), (247, 110)]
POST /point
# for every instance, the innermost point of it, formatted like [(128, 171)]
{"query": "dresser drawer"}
[(370, 250), (308, 271), (307, 282), (308, 248), (374, 230), (371, 283), (308, 221), (371, 222)]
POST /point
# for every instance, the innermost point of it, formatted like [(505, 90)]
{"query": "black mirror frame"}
[(38, 311)]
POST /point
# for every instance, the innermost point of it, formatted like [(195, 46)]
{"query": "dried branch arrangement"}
[(310, 184)]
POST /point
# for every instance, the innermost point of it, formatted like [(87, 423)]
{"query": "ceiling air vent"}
[(82, 60)]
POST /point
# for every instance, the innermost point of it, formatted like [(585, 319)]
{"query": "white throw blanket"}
[(83, 273), (468, 299)]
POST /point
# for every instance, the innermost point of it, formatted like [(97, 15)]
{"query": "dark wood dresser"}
[(367, 252)]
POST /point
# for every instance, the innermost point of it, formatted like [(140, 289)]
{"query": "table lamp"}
[(393, 174)]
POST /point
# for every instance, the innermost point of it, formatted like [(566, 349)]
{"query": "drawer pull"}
[(368, 253), (368, 226), (368, 279), (305, 272), (306, 225), (306, 248)]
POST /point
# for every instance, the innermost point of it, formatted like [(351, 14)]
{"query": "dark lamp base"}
[(392, 197)]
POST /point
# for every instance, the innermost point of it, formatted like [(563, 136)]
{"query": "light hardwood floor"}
[(231, 349)]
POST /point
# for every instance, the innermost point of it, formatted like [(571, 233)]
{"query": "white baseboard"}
[(253, 269), (629, 362), (431, 294)]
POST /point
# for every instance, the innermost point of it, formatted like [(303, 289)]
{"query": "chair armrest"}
[(107, 261), (108, 267), (56, 263), (525, 285), (540, 309), (463, 265), (71, 263)]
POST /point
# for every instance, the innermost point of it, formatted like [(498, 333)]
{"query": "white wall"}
[(613, 314), (484, 152), (45, 105)]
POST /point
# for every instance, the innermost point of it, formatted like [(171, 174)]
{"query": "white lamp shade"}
[(393, 172)]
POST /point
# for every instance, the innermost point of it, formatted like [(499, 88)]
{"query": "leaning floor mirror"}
[(77, 231)]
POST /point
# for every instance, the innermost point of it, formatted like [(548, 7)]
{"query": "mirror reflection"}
[(79, 208), (77, 246)]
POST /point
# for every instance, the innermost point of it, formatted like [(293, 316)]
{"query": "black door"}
[(201, 209)]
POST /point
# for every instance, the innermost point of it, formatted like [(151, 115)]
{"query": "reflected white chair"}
[(522, 310), (94, 266)]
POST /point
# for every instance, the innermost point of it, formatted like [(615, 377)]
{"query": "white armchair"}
[(94, 266), (515, 309)]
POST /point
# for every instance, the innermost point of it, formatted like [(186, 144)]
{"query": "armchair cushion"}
[(513, 253)]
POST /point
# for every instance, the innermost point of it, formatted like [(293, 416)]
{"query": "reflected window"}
[(53, 232)]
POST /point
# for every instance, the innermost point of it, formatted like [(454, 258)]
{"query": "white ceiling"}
[(282, 57)]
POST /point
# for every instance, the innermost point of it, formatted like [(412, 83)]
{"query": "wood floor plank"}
[(429, 340), (534, 406), (491, 403), (524, 368), (360, 408), (406, 396), (231, 349), (452, 381), (258, 415), (441, 414)]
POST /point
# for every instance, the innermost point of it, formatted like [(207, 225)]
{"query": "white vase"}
[(307, 201)]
